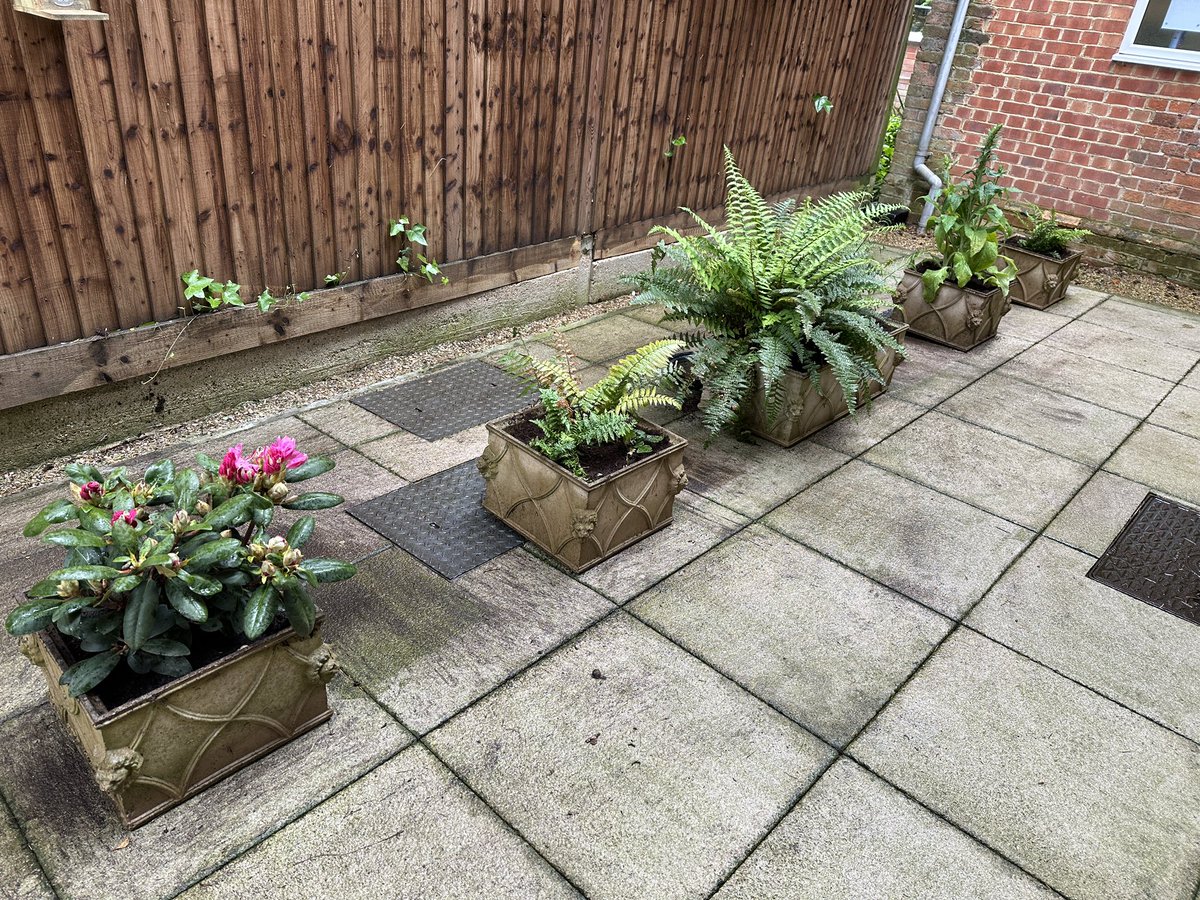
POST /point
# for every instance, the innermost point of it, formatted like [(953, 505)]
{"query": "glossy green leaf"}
[(85, 573), (185, 602), (86, 674), (125, 583), (187, 487), (260, 611), (32, 616), (213, 553), (82, 473), (73, 537), (171, 666), (207, 463), (316, 465), (160, 472), (299, 607), (140, 614), (314, 500), (166, 647), (329, 569), (205, 587), (234, 511), (52, 514), (301, 531)]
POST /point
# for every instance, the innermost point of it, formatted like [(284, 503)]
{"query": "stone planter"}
[(961, 318), (1041, 280), (807, 408), (577, 522), (155, 751)]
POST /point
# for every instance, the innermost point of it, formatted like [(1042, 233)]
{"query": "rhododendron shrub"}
[(154, 563)]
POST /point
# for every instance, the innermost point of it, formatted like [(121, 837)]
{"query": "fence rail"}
[(270, 143)]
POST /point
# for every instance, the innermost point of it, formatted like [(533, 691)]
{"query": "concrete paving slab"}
[(1091, 798), (1029, 324), (1147, 321), (612, 336), (633, 768), (996, 351), (1011, 479), (347, 422), (1144, 658), (1093, 519), (855, 837), (751, 478), (699, 524), (1192, 379), (84, 849), (1165, 460), (426, 647), (931, 373), (1077, 302), (308, 439), (653, 314), (1059, 368), (20, 876), (1065, 425), (819, 642), (871, 424), (1150, 354), (1180, 411), (407, 830), (414, 458), (926, 545)]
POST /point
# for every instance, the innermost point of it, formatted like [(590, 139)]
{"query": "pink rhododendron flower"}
[(236, 467), (91, 491), (280, 456), (129, 516)]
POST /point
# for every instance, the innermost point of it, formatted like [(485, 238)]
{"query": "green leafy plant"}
[(785, 286), (573, 418), (410, 261), (968, 225), (888, 150), (1046, 236), (154, 562), (822, 104), (334, 279), (208, 295), (676, 143)]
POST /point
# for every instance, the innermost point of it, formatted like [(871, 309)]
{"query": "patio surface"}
[(869, 666)]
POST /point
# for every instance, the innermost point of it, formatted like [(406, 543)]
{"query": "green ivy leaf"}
[(86, 674), (51, 514), (313, 500), (329, 569)]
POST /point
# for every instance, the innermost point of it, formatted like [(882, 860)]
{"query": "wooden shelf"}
[(45, 9)]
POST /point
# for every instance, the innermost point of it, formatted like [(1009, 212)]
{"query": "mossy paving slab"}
[(1150, 354), (88, 854), (633, 767), (408, 830), (1167, 461), (1093, 799), (855, 837), (20, 876)]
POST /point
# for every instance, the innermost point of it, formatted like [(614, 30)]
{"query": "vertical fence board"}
[(475, 95), (20, 324), (366, 136), (454, 134)]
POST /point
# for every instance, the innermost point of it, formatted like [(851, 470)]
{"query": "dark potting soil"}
[(124, 685), (1053, 254), (597, 462)]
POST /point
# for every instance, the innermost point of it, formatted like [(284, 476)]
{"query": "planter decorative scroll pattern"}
[(1041, 280), (154, 752), (577, 522), (961, 318), (807, 408)]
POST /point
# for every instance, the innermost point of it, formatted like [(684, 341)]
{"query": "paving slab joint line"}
[(29, 845), (284, 823)]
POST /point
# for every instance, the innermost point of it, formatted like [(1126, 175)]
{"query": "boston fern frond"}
[(573, 418), (789, 285)]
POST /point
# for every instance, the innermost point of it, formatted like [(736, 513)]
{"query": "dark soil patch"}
[(1019, 244), (597, 462), (124, 685)]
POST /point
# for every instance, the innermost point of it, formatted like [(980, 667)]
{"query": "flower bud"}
[(91, 491), (203, 509), (267, 569), (277, 544), (175, 561), (278, 492), (68, 589), (292, 557), (180, 520), (228, 533)]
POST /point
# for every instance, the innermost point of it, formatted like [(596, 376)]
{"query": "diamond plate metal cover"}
[(441, 521), (1156, 558), (449, 400)]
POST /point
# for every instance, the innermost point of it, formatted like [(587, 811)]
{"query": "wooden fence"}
[(270, 143)]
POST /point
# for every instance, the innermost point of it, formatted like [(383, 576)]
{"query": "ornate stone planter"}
[(579, 523), (961, 318), (1041, 280), (807, 408), (155, 751)]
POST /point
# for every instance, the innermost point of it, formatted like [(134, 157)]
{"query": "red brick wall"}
[(1113, 144)]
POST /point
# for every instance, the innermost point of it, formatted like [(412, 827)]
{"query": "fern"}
[(573, 418), (787, 286)]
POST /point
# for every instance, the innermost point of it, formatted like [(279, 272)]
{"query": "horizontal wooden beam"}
[(33, 375), (81, 11)]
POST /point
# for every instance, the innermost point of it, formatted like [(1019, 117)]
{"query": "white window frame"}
[(1188, 60)]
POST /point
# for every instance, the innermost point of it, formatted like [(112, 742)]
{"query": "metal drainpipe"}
[(935, 102)]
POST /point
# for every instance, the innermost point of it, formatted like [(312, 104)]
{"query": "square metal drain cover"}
[(1156, 558), (449, 400), (441, 521)]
